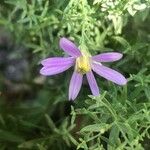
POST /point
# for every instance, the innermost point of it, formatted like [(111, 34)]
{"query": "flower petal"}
[(75, 85), (69, 47), (92, 83), (57, 61), (107, 57), (109, 74), (54, 66)]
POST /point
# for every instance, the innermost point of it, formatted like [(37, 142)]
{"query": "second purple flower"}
[(84, 64)]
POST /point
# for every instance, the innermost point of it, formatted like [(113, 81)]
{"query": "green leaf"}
[(102, 128), (122, 41), (11, 137), (113, 136)]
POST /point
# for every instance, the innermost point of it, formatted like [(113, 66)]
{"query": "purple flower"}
[(84, 64)]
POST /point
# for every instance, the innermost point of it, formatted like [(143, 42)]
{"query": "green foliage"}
[(34, 111), (119, 124)]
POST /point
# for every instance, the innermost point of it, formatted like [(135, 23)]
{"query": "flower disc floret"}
[(83, 64)]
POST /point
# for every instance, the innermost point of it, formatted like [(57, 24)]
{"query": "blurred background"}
[(35, 113)]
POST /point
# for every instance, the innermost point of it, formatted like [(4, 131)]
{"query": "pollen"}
[(83, 64)]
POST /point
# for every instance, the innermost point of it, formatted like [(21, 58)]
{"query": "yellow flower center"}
[(83, 64)]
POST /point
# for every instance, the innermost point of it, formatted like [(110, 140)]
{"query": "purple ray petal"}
[(54, 66), (69, 47), (109, 74), (57, 61), (75, 85), (107, 57), (92, 83)]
